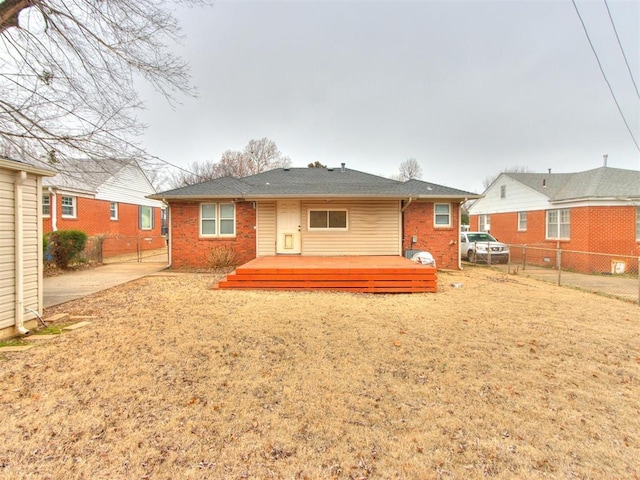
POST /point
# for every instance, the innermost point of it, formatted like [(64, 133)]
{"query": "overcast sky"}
[(469, 89)]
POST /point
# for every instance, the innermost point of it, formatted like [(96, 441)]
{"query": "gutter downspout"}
[(407, 204), (460, 230), (402, 232), (21, 177), (53, 203)]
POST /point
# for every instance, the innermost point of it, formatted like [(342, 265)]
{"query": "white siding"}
[(518, 198), (373, 229), (128, 185), (266, 234), (32, 247), (7, 249)]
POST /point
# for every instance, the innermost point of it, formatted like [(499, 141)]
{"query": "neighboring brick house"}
[(107, 199), (313, 212), (21, 268), (593, 211)]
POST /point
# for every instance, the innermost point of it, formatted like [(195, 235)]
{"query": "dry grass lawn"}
[(506, 377)]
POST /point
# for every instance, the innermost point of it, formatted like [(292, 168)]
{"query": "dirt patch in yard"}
[(505, 377)]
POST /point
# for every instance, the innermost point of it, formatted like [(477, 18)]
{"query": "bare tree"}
[(67, 73), (486, 183), (262, 155), (257, 157), (409, 169)]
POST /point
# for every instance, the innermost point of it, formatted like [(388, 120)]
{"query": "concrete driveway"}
[(74, 285)]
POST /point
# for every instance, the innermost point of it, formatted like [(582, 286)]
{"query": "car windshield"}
[(480, 237)]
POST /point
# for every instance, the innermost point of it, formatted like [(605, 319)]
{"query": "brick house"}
[(592, 211), (106, 199), (313, 212)]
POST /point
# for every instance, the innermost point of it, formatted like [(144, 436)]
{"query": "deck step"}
[(373, 279)]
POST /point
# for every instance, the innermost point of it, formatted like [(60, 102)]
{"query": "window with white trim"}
[(146, 220), (68, 207), (113, 210), (442, 215), (522, 221), (558, 224), (217, 219), (328, 219), (484, 223), (46, 205)]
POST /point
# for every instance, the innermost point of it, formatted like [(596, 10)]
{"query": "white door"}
[(288, 235)]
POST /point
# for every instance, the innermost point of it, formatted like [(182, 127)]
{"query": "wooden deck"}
[(370, 274)]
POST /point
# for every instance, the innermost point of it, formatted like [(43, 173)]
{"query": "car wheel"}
[(471, 256)]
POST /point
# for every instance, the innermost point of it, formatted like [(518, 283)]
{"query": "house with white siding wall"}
[(21, 264)]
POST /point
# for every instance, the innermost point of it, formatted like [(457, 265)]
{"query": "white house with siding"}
[(21, 266)]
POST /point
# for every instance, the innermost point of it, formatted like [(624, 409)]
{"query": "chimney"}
[(605, 158), (342, 167), (549, 171)]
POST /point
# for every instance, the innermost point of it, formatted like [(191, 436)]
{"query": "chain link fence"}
[(126, 249), (604, 273)]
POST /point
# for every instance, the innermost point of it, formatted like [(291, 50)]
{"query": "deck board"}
[(372, 274)]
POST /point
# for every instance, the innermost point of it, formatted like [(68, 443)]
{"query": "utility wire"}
[(584, 27), (622, 49)]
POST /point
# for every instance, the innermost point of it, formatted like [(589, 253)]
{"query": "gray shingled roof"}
[(313, 182), (84, 174), (603, 182)]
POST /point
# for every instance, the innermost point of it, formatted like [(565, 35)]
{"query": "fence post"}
[(639, 281), (138, 249), (524, 257), (559, 265)]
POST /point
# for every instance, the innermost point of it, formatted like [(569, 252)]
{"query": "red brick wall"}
[(609, 230), (442, 243), (94, 218), (188, 249)]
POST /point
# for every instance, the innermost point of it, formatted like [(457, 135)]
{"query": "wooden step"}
[(406, 278)]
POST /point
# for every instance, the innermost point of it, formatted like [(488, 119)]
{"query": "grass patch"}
[(53, 329), (13, 342)]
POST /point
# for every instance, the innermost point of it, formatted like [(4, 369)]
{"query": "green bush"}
[(66, 245)]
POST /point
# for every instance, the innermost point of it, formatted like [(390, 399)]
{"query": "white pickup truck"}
[(482, 247)]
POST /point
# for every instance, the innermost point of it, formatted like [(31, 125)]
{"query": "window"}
[(442, 215), (327, 219), (46, 205), (218, 219), (638, 224), (113, 211), (503, 191), (68, 207), (484, 224), (558, 224), (522, 221), (145, 217)]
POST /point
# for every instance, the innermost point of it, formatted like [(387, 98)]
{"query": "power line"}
[(622, 49), (584, 27)]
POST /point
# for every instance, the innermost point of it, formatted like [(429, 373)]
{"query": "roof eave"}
[(25, 167), (313, 197)]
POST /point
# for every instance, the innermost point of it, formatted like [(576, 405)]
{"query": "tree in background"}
[(68, 70), (257, 157), (316, 164), (408, 170)]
